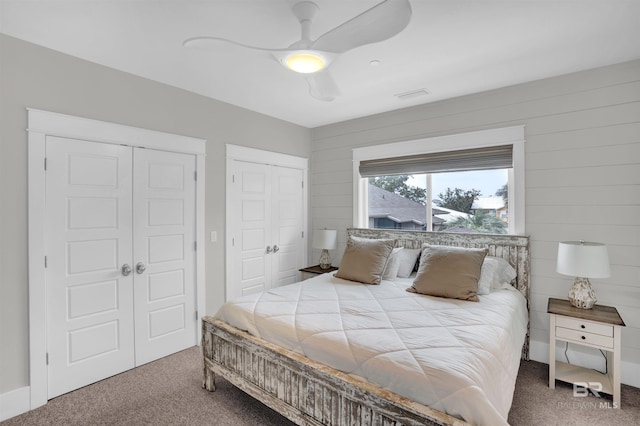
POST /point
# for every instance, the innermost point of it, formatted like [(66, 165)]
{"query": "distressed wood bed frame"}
[(310, 393)]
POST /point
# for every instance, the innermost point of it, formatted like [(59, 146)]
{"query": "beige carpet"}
[(169, 392)]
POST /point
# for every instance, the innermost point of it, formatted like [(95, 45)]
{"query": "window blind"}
[(493, 157)]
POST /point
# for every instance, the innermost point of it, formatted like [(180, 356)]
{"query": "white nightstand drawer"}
[(583, 337), (584, 326)]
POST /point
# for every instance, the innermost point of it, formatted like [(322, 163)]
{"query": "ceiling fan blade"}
[(206, 41), (322, 86), (379, 23)]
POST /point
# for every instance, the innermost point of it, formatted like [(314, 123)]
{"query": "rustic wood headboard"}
[(513, 248)]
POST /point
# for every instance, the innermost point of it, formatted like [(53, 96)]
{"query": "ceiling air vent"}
[(412, 94)]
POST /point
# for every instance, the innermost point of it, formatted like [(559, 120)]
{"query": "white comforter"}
[(456, 356)]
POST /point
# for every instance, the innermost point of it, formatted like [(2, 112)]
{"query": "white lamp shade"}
[(583, 259), (325, 239)]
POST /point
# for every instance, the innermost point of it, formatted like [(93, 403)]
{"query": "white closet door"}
[(88, 240), (287, 224), (164, 253), (111, 207), (252, 230), (267, 223)]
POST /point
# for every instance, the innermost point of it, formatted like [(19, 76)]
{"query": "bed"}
[(418, 376)]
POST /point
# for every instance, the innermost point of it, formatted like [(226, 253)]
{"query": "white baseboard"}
[(585, 357), (15, 402)]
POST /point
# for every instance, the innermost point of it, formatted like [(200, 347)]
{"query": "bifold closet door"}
[(120, 262), (90, 325)]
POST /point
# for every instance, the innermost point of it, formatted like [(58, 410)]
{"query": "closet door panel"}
[(250, 200), (287, 224), (164, 253), (88, 240)]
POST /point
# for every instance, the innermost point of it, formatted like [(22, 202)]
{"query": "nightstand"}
[(312, 271), (600, 328)]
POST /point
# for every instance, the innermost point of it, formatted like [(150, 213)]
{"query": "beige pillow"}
[(451, 272), (364, 260)]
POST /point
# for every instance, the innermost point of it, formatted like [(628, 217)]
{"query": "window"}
[(428, 167), (460, 201)]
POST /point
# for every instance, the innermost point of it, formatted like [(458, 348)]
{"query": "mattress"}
[(456, 356)]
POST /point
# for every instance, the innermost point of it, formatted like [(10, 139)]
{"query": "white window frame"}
[(513, 136)]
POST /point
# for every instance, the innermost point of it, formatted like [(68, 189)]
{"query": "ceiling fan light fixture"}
[(305, 62)]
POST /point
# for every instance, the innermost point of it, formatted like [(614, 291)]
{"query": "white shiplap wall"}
[(582, 180)]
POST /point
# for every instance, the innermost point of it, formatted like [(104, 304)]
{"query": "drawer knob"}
[(584, 338), (583, 326)]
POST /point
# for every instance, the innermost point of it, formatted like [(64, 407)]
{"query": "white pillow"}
[(408, 258), (391, 270), (496, 273)]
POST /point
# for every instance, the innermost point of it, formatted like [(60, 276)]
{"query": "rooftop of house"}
[(386, 204)]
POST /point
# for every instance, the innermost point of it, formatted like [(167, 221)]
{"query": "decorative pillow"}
[(408, 259), (391, 270), (488, 274), (451, 272), (364, 260), (496, 274)]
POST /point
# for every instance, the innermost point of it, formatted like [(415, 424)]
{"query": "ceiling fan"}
[(312, 58)]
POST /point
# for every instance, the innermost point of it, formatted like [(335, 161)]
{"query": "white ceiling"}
[(450, 47)]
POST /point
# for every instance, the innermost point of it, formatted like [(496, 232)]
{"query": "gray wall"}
[(32, 76), (582, 179)]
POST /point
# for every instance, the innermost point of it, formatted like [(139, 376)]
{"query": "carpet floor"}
[(169, 392)]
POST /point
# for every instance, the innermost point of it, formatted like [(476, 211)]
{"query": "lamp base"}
[(325, 261), (581, 295)]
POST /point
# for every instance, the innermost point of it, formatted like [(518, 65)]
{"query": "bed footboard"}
[(305, 391)]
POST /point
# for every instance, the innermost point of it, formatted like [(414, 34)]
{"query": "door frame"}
[(45, 123), (259, 156)]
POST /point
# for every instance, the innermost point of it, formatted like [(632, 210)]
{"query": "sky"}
[(487, 181)]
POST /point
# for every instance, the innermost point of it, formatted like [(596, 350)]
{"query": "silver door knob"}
[(269, 249), (275, 248), (126, 269), (140, 267)]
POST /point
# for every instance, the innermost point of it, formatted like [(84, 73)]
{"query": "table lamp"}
[(583, 260), (325, 239)]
